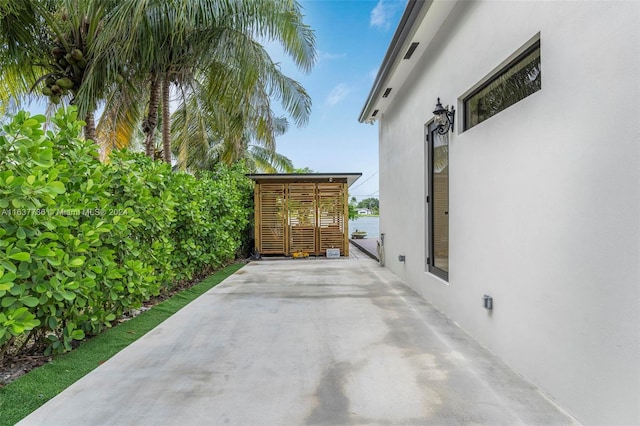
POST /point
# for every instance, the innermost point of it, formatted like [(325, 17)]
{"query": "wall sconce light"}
[(444, 118)]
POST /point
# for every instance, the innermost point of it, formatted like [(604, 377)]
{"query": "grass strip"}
[(24, 395)]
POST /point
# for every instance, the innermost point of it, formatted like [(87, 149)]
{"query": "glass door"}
[(438, 202)]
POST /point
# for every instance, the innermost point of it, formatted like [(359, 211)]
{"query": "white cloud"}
[(337, 94), (380, 15), (373, 74), (326, 56)]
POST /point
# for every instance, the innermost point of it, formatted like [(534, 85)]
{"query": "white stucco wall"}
[(544, 197)]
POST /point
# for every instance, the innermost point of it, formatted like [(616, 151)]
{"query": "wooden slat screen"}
[(272, 218), (302, 217), (331, 216)]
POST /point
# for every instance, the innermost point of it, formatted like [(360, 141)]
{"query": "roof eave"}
[(350, 177), (411, 13)]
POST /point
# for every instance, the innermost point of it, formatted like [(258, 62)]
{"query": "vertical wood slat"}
[(256, 217), (272, 218), (345, 215), (331, 223), (302, 217)]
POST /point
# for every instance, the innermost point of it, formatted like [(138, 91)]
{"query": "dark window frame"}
[(431, 129), (465, 102)]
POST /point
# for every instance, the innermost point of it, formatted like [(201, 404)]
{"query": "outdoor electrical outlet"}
[(488, 302), (401, 258)]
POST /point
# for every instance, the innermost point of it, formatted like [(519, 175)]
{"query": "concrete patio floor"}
[(294, 342)]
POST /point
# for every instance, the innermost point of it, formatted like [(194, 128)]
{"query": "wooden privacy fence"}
[(307, 217)]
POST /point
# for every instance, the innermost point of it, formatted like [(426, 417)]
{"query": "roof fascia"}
[(350, 177), (411, 13)]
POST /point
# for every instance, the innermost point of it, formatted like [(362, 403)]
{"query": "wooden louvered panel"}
[(272, 219), (303, 239), (331, 216), (302, 217)]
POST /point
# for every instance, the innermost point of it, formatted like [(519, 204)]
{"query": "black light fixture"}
[(444, 118)]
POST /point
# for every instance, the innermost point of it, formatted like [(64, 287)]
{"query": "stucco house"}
[(510, 134)]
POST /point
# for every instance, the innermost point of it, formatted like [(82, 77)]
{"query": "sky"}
[(352, 37)]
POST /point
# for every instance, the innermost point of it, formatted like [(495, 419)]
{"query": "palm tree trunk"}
[(151, 122), (166, 120), (90, 127)]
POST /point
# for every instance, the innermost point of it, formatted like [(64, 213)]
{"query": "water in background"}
[(371, 224)]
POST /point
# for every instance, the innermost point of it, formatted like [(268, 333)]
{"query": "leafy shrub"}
[(82, 242), (211, 214), (141, 198)]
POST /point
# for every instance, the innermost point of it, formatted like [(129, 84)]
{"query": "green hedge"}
[(82, 242)]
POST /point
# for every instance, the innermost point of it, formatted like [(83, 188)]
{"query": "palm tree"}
[(19, 38), (76, 25), (205, 133), (239, 116), (187, 43), (46, 46)]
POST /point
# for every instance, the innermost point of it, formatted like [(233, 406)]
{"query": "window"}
[(519, 79), (438, 202)]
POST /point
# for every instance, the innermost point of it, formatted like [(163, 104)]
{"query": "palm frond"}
[(267, 161), (119, 120)]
